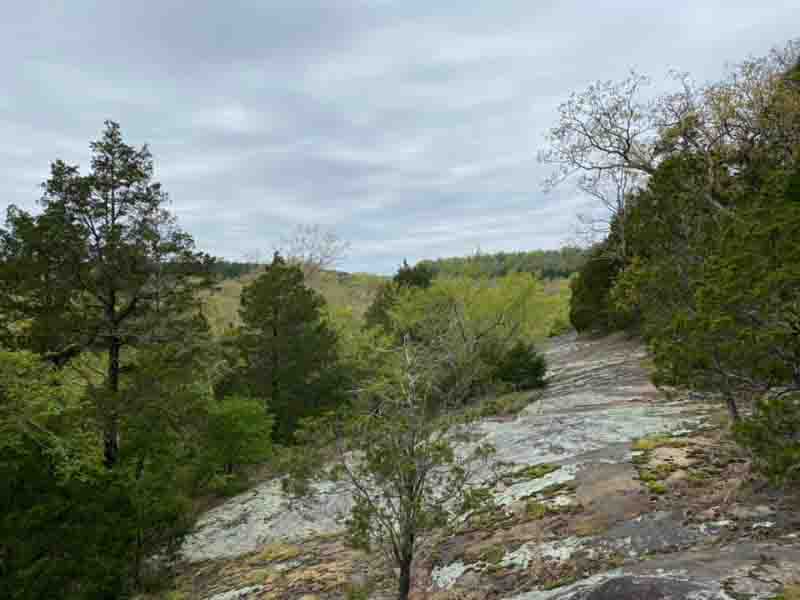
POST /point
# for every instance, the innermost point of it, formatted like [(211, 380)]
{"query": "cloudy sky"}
[(411, 127)]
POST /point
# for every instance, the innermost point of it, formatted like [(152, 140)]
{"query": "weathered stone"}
[(240, 594), (750, 512), (634, 588)]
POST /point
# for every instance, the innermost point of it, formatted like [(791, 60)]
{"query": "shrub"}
[(559, 327), (522, 367), (589, 304), (772, 434)]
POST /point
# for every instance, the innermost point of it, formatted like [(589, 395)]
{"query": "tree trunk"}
[(404, 585), (733, 409), (111, 433)]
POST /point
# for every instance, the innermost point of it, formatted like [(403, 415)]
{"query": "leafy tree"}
[(475, 322), (710, 264), (103, 268), (238, 433), (419, 276), (377, 314), (547, 264), (288, 349), (409, 470)]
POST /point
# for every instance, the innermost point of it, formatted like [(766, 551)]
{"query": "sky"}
[(409, 127)]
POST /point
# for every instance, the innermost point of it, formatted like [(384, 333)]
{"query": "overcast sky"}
[(411, 127)]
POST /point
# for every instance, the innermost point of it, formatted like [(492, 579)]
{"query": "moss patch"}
[(656, 487), (535, 510), (528, 473), (278, 553), (493, 555), (658, 441)]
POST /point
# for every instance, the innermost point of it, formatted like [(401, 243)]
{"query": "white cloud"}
[(412, 127)]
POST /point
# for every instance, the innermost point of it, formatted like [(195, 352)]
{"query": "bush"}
[(590, 307), (772, 434), (238, 433), (521, 367), (559, 327)]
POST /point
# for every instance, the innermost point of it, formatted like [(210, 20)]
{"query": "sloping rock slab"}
[(615, 586), (648, 588)]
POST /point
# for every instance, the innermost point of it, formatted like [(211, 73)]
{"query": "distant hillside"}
[(548, 264), (341, 290)]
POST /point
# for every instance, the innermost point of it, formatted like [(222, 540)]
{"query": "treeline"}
[(547, 264), (703, 256), (122, 413), (228, 269)]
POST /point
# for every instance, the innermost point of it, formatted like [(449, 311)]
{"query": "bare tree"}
[(314, 248), (613, 135)]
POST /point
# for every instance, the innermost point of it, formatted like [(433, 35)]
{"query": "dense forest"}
[(702, 257), (547, 264)]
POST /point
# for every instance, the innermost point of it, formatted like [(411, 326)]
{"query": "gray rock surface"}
[(596, 401)]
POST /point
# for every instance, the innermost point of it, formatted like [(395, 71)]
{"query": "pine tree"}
[(102, 268), (289, 350)]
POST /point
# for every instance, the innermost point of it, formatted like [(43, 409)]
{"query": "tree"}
[(472, 322), (288, 349), (314, 249), (410, 470), (613, 136), (103, 268), (420, 276), (590, 306), (712, 272), (238, 433)]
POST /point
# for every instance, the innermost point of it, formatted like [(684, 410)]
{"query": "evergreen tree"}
[(104, 267), (289, 350)]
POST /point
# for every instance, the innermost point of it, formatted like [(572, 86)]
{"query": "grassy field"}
[(341, 290), (356, 291)]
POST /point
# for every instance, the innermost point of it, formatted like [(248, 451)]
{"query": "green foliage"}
[(590, 307), (560, 326), (409, 479), (772, 434), (535, 510), (67, 522), (505, 404), (107, 420), (351, 292), (238, 433), (708, 264), (418, 276), (288, 348), (478, 320), (102, 269), (226, 269), (546, 264), (522, 367), (377, 314)]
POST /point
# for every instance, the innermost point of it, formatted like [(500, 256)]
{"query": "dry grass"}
[(789, 592), (351, 291)]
